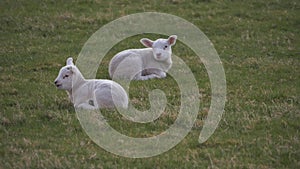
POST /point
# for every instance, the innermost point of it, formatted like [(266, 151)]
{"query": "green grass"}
[(258, 42)]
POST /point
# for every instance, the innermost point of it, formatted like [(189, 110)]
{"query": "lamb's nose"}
[(158, 54), (55, 82)]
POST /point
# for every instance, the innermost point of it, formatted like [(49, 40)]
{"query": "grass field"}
[(257, 41)]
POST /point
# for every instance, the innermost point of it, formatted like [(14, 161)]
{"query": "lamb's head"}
[(161, 47), (64, 78)]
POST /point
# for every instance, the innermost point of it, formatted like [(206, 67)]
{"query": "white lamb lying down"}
[(143, 64), (90, 94)]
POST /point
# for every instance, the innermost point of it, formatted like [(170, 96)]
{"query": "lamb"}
[(90, 94), (143, 64)]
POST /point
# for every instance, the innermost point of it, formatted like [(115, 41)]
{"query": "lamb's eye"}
[(65, 76), (166, 47)]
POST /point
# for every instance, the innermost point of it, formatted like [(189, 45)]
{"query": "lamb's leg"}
[(145, 77), (161, 74), (152, 73), (86, 106)]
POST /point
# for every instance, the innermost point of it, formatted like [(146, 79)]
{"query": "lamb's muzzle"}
[(57, 84)]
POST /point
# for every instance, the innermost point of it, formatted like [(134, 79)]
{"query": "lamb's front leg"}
[(87, 106), (145, 77), (152, 73), (161, 74)]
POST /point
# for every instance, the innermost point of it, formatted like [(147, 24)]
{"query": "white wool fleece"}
[(143, 64), (92, 93)]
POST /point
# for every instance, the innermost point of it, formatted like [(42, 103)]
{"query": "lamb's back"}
[(136, 54)]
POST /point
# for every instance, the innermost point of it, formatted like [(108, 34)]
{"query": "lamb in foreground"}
[(143, 64), (90, 94)]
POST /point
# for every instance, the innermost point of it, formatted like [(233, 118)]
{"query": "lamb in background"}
[(90, 94), (143, 64)]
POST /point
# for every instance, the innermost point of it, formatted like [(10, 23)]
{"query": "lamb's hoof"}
[(91, 102)]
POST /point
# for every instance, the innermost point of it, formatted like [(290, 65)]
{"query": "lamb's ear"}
[(172, 40), (70, 61), (147, 42)]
